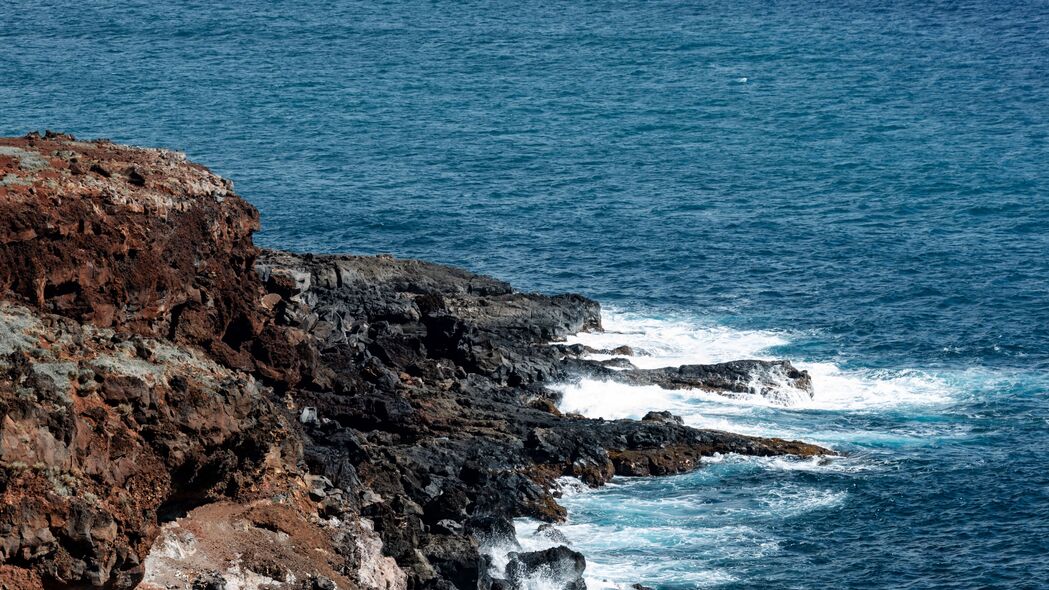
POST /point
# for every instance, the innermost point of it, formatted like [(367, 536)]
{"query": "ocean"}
[(859, 187)]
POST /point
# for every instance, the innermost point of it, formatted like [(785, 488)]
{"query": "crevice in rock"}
[(52, 290)]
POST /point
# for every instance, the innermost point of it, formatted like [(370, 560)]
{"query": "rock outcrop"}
[(557, 567), (182, 410), (777, 381), (140, 240)]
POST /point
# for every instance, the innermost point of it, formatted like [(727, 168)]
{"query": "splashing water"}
[(723, 524)]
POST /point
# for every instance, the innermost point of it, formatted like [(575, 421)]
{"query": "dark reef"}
[(181, 408)]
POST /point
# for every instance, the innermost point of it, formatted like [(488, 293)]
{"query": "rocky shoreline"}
[(184, 410)]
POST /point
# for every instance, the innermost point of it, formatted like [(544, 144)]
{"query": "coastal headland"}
[(182, 409)]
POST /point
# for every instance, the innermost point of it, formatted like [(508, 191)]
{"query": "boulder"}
[(557, 567)]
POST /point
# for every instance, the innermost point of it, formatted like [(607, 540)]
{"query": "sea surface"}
[(861, 187)]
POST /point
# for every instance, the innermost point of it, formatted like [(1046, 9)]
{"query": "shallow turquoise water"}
[(862, 186)]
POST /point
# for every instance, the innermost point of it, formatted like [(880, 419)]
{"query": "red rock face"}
[(114, 408), (100, 433), (135, 239)]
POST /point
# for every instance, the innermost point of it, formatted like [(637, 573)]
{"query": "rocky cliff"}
[(183, 410)]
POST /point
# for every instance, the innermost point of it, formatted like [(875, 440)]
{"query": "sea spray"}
[(668, 532)]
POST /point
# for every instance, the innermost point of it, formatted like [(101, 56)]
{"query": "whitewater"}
[(684, 531)]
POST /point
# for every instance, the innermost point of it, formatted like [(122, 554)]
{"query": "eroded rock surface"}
[(436, 404), (101, 434), (137, 239), (181, 408), (268, 544)]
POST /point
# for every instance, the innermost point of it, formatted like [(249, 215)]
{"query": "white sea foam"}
[(667, 341), (630, 537), (809, 464), (627, 543), (663, 342), (794, 501), (593, 539), (569, 486)]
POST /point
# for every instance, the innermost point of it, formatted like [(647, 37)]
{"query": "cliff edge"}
[(181, 409)]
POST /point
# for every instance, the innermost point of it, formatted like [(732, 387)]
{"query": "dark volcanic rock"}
[(778, 381), (289, 411), (740, 377), (558, 567), (439, 380), (663, 416)]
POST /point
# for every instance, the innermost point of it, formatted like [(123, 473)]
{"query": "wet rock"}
[(777, 381), (618, 363), (664, 416), (557, 567), (491, 530), (454, 558), (550, 533)]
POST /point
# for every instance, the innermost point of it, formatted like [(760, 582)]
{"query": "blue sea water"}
[(860, 187)]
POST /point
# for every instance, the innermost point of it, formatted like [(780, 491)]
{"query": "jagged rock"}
[(491, 530), (161, 250), (664, 416), (579, 350), (101, 432), (557, 567), (490, 443), (777, 381)]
